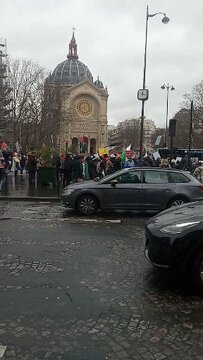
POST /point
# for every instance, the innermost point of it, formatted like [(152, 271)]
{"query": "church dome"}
[(99, 83), (71, 71)]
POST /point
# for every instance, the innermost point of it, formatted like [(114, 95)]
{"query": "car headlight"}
[(179, 228), (68, 191)]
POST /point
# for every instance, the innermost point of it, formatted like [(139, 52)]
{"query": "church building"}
[(82, 120)]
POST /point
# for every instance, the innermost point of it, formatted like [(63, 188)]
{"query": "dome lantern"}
[(73, 48), (71, 71)]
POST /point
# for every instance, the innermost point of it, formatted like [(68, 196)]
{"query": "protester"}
[(109, 167), (31, 167), (98, 169), (164, 163), (173, 163), (67, 168), (2, 170), (148, 161), (117, 162), (22, 162), (103, 162), (56, 163), (77, 169), (198, 172), (91, 172), (112, 159), (157, 162), (129, 163), (85, 167), (15, 163)]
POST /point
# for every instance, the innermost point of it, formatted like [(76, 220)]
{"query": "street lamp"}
[(167, 87), (144, 92)]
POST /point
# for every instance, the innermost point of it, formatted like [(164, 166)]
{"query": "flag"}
[(103, 151), (129, 147), (82, 139), (123, 156), (83, 147), (83, 144), (3, 145)]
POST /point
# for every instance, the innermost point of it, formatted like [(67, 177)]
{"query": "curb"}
[(33, 198)]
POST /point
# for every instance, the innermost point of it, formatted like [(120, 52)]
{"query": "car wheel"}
[(197, 271), (87, 205), (177, 201)]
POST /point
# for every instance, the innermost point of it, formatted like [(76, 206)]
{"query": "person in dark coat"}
[(56, 163), (117, 163), (91, 167), (31, 167), (2, 170), (22, 162), (103, 162), (77, 169), (67, 170)]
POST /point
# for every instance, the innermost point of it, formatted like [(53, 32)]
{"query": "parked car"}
[(174, 240), (134, 189)]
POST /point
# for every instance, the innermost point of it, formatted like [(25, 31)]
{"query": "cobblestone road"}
[(74, 288)]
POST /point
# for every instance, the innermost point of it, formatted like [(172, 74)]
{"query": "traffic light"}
[(172, 127)]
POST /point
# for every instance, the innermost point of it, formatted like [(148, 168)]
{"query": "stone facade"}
[(83, 106), (83, 117)]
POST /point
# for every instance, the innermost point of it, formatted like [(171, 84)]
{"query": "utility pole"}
[(190, 132), (5, 95)]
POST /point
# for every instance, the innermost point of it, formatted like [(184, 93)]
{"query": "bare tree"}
[(27, 83), (182, 128), (50, 116), (56, 116), (197, 97), (183, 119)]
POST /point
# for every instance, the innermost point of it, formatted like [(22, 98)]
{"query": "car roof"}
[(157, 169), (143, 168)]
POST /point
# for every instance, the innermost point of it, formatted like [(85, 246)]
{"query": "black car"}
[(174, 240), (134, 189)]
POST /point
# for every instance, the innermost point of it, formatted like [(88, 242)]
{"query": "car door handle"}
[(167, 190), (137, 189)]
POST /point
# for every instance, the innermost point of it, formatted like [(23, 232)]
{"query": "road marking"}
[(2, 350), (44, 202), (116, 221), (72, 219)]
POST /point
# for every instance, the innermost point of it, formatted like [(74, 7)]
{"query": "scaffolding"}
[(5, 96)]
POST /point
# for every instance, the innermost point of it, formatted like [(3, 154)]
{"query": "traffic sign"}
[(143, 94)]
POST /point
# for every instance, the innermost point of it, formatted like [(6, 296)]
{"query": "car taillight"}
[(201, 188)]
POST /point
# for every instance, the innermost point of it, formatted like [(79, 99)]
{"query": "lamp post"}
[(143, 93), (167, 87)]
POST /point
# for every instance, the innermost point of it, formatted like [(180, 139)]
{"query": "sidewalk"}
[(19, 189)]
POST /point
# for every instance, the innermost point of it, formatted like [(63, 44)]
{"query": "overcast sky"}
[(110, 35)]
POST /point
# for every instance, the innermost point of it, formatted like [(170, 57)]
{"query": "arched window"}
[(92, 146)]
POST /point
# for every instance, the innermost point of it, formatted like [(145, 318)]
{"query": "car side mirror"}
[(114, 182)]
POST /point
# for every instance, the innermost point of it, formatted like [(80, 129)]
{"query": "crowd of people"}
[(74, 168)]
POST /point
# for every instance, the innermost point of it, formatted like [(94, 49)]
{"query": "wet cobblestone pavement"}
[(19, 188), (74, 288)]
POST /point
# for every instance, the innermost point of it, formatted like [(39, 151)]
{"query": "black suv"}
[(174, 239)]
